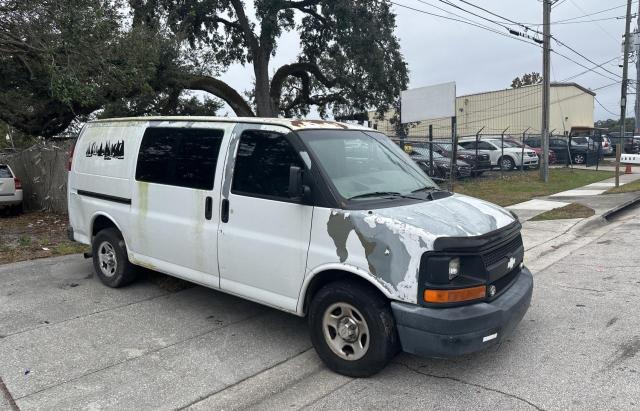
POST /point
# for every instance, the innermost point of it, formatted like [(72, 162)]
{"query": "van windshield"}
[(363, 164)]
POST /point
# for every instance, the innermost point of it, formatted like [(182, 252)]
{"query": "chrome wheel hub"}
[(107, 259), (345, 331), (348, 329)]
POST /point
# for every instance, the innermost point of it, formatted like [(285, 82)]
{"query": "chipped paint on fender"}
[(391, 240)]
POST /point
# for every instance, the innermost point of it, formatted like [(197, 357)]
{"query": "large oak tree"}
[(349, 57)]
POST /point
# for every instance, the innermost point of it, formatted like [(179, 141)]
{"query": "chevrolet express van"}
[(320, 219)]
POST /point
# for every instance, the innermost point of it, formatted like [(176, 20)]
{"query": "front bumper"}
[(448, 332)]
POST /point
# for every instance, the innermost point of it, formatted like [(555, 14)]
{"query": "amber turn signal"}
[(455, 296)]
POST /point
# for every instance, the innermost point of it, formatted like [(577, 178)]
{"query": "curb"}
[(614, 211)]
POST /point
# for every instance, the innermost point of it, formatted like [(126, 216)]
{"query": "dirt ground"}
[(35, 235)]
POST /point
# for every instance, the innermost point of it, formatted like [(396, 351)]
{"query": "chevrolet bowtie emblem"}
[(511, 263)]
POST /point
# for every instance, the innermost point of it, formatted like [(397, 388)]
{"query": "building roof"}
[(556, 84), (291, 123), (576, 85)]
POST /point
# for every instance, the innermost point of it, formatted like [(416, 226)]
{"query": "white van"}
[(320, 219)]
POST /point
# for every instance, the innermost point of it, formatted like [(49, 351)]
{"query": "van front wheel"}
[(110, 260), (352, 328)]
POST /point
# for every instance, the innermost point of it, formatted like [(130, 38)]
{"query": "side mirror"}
[(297, 190)]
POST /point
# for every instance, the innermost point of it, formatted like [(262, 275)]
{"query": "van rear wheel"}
[(352, 328), (110, 260)]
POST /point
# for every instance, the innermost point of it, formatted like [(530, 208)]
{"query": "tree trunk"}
[(264, 106)]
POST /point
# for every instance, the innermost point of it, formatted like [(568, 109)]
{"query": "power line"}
[(472, 13), (499, 16), (592, 14), (583, 56), (528, 28), (557, 3), (596, 23), (606, 109), (589, 70), (589, 21), (478, 25)]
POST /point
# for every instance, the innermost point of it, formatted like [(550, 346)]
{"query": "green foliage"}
[(527, 79), (614, 125), (61, 59)]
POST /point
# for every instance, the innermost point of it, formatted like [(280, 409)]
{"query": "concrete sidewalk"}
[(591, 195)]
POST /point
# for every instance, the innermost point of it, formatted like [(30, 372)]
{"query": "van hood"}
[(394, 238), (453, 216)]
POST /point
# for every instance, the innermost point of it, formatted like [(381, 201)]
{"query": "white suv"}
[(10, 190), (512, 152)]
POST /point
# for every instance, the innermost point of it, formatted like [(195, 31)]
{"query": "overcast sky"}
[(439, 50)]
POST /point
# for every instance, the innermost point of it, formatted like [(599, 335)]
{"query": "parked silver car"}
[(10, 190)]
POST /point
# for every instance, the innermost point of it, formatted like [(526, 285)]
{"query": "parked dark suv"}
[(560, 145), (479, 163)]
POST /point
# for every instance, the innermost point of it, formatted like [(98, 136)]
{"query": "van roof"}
[(292, 123)]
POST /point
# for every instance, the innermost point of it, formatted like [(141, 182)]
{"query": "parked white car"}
[(10, 190), (512, 152), (320, 219)]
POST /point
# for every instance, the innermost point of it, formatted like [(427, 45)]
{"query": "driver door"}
[(264, 234)]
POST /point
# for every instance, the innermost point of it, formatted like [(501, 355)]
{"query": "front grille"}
[(504, 282), (532, 154), (494, 256)]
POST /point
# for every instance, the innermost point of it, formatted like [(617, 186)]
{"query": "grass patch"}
[(35, 235), (517, 187), (626, 188), (573, 210)]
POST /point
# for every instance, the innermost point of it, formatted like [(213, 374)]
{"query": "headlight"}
[(465, 157), (454, 268)]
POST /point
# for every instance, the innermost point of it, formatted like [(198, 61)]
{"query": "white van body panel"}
[(98, 173), (269, 251), (263, 246), (172, 234)]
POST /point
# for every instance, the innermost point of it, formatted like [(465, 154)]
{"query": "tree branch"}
[(245, 26), (222, 90), (299, 70), (231, 24)]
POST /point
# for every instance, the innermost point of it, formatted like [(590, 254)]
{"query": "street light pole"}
[(623, 97), (546, 88)]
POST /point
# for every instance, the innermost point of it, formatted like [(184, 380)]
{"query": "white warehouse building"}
[(516, 109)]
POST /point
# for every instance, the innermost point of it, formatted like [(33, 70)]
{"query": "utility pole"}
[(546, 88), (637, 45), (623, 97)]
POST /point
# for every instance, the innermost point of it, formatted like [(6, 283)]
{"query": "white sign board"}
[(426, 103)]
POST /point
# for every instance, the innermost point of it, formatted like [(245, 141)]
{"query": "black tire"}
[(579, 159), (382, 336), (16, 210), (123, 272), (506, 163)]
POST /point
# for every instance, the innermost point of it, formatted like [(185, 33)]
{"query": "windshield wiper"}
[(377, 194), (428, 189), (384, 194)]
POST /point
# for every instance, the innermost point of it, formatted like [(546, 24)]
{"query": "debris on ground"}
[(35, 235)]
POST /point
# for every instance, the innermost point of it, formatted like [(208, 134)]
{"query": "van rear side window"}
[(179, 157)]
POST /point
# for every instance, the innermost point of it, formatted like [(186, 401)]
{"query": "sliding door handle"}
[(224, 212), (208, 208)]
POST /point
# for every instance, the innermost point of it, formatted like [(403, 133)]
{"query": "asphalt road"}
[(68, 342)]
